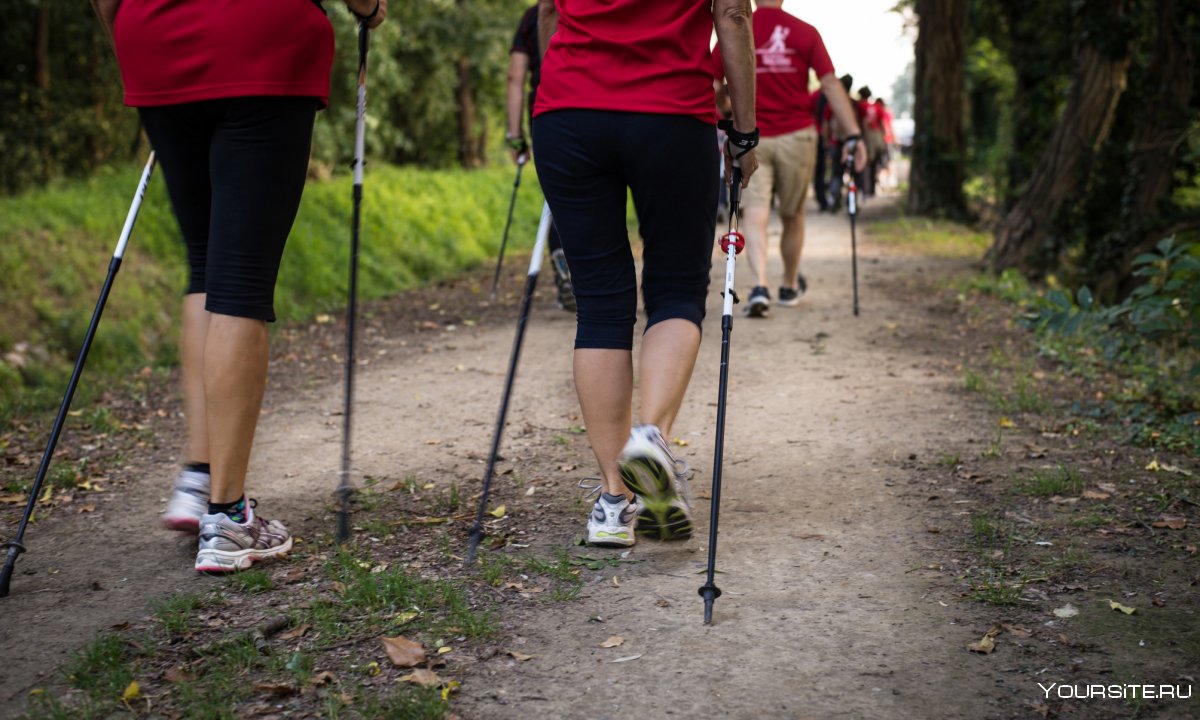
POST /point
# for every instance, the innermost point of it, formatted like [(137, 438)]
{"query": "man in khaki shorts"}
[(786, 50)]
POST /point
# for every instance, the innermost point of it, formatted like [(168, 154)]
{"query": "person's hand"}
[(748, 164), (371, 12), (859, 149), (519, 148)]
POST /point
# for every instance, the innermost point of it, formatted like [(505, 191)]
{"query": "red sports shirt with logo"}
[(629, 55), (179, 51), (786, 48)]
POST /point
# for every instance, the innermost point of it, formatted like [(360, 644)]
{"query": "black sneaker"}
[(789, 297), (759, 302), (562, 280)]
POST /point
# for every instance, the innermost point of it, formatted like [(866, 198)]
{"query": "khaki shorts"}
[(785, 169)]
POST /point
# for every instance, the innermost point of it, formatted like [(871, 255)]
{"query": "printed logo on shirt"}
[(775, 56)]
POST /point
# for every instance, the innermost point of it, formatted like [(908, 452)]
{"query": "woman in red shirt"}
[(228, 102), (626, 102)]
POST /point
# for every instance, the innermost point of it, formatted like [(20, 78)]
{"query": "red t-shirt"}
[(179, 51), (872, 116), (629, 55), (785, 49)]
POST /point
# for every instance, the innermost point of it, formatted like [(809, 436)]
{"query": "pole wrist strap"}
[(744, 142)]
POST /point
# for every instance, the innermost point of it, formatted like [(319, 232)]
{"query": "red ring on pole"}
[(733, 238)]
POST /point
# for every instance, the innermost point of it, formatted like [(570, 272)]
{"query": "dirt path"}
[(821, 614)]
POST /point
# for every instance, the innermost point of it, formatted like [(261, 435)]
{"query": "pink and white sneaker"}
[(228, 546), (188, 502)]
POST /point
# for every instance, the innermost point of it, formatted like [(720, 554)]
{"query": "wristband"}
[(516, 143), (743, 141), (365, 18), (852, 138)]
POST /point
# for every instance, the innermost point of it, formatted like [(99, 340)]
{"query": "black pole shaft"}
[(15, 547), (345, 488), (514, 358), (512, 203), (710, 592), (852, 211)]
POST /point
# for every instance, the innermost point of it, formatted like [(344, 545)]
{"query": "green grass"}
[(251, 581), (101, 669), (55, 244), (948, 459), (938, 238), (1060, 480), (174, 613)]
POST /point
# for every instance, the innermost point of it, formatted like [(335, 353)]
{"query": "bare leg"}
[(195, 332), (604, 382), (668, 357), (791, 246), (235, 374), (754, 228)]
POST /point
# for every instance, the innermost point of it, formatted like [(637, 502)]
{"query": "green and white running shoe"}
[(228, 546), (612, 520), (660, 481)]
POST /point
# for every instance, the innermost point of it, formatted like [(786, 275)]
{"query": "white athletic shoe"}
[(660, 481), (612, 521), (228, 546), (188, 502)]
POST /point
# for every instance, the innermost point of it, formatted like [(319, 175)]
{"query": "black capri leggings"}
[(585, 161), (235, 171)]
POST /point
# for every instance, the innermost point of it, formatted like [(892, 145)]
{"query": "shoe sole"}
[(757, 310), (604, 538), (660, 518), (224, 561), (788, 303)]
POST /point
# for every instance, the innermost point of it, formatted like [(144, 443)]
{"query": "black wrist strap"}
[(365, 18), (744, 142)]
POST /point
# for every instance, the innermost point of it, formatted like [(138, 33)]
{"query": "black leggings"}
[(235, 171), (586, 159)]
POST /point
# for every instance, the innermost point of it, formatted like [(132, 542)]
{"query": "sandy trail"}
[(820, 617)]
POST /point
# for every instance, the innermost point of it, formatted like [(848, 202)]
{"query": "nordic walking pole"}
[(535, 266), (732, 243), (852, 211), (345, 489), (15, 548), (522, 158)]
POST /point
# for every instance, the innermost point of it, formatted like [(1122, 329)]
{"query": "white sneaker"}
[(228, 546), (188, 502), (660, 481), (612, 521)]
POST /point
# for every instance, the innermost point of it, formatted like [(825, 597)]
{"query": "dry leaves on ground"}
[(612, 642), (404, 652)]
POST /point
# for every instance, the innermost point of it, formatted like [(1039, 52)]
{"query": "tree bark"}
[(939, 142), (1026, 239), (468, 156), (1159, 139), (41, 47)]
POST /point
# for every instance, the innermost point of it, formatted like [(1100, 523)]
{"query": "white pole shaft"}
[(130, 218), (543, 237)]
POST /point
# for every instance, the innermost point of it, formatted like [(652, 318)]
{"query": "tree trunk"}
[(41, 47), (465, 93), (1026, 239), (1160, 137), (939, 142)]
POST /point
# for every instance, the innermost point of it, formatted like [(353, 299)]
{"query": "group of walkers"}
[(623, 100)]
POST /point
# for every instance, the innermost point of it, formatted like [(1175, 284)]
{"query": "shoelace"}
[(591, 487), (682, 472)]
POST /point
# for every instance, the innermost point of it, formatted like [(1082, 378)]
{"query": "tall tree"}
[(939, 141), (1028, 237)]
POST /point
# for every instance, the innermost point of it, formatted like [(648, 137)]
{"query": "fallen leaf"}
[(1175, 469), (662, 602), (177, 675), (704, 495), (1006, 423), (1060, 500), (1066, 611), (294, 575), (1015, 630), (1153, 465), (520, 656), (627, 658), (428, 486), (1096, 495), (132, 691), (403, 618), (1107, 487), (404, 652), (1114, 605), (13, 498), (1172, 522), (444, 649), (532, 489), (296, 632), (339, 587), (446, 690), (612, 642), (1158, 602), (372, 668), (322, 678), (985, 645), (90, 507), (681, 442), (423, 677), (498, 512), (533, 590), (281, 689)]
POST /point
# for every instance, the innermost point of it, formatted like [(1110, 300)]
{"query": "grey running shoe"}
[(660, 482), (188, 502), (227, 546), (759, 303), (789, 297), (612, 520)]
